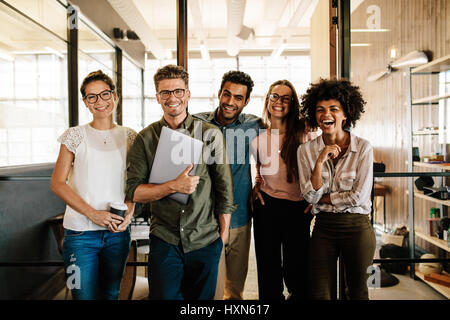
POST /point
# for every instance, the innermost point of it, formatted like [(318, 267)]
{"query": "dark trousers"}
[(175, 275), (347, 233), (282, 234)]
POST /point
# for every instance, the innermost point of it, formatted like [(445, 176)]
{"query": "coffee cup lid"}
[(118, 205)]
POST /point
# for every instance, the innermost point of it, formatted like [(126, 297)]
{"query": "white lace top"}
[(98, 173)]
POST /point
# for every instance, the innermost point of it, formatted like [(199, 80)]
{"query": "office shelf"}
[(437, 65), (431, 165), (443, 244), (436, 69), (419, 194), (445, 291), (425, 132), (430, 99)]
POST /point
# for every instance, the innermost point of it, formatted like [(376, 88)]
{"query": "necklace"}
[(278, 134), (105, 137)]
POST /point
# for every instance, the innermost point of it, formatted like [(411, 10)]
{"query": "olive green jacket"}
[(196, 223)]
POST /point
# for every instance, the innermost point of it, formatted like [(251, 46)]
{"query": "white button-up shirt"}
[(349, 183)]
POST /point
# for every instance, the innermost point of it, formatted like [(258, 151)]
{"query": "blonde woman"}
[(280, 214), (92, 159)]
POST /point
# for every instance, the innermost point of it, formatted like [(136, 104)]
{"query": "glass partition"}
[(94, 53), (51, 14), (152, 110), (131, 95), (161, 18), (33, 95), (269, 41)]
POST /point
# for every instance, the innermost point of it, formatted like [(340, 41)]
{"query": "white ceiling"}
[(272, 21)]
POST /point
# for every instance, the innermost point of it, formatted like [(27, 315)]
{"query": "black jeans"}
[(282, 235)]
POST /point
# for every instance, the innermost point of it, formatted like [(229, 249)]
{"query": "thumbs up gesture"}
[(185, 183)]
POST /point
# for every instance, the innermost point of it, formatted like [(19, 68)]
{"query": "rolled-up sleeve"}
[(221, 175), (362, 186), (137, 167), (306, 164)]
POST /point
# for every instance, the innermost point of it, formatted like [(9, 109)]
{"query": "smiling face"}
[(100, 109), (231, 102), (173, 107), (280, 107), (330, 116)]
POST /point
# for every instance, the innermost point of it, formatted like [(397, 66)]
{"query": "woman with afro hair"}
[(335, 174)]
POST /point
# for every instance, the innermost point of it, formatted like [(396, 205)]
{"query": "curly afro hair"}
[(341, 90)]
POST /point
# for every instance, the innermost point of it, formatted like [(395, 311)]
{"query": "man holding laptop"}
[(186, 240)]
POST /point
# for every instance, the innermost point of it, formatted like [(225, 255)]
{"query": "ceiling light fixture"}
[(360, 45), (393, 53), (277, 52), (369, 30), (124, 35), (204, 51)]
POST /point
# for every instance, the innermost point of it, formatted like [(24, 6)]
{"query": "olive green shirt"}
[(196, 223)]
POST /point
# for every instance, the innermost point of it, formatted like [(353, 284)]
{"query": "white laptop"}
[(175, 151)]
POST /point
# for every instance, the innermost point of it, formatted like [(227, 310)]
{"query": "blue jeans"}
[(175, 275), (95, 262)]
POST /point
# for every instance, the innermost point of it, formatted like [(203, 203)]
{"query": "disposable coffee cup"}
[(118, 208)]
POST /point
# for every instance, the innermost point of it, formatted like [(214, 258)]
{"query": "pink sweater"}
[(272, 169)]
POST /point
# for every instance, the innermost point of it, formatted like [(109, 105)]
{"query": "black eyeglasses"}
[(178, 93), (284, 99), (105, 95)]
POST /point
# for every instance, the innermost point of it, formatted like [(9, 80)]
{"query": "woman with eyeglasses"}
[(92, 159), (280, 215)]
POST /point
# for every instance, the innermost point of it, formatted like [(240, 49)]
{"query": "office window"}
[(94, 53), (161, 17), (205, 79), (266, 70), (152, 110), (33, 95), (49, 13), (131, 95)]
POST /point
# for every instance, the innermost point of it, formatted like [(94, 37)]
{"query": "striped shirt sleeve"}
[(349, 183), (306, 164), (361, 186)]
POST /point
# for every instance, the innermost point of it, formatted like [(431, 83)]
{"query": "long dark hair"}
[(294, 128)]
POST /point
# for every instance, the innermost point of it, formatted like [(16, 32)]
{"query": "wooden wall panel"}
[(320, 41), (414, 25)]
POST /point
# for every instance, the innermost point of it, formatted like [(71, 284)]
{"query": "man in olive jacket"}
[(185, 240)]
